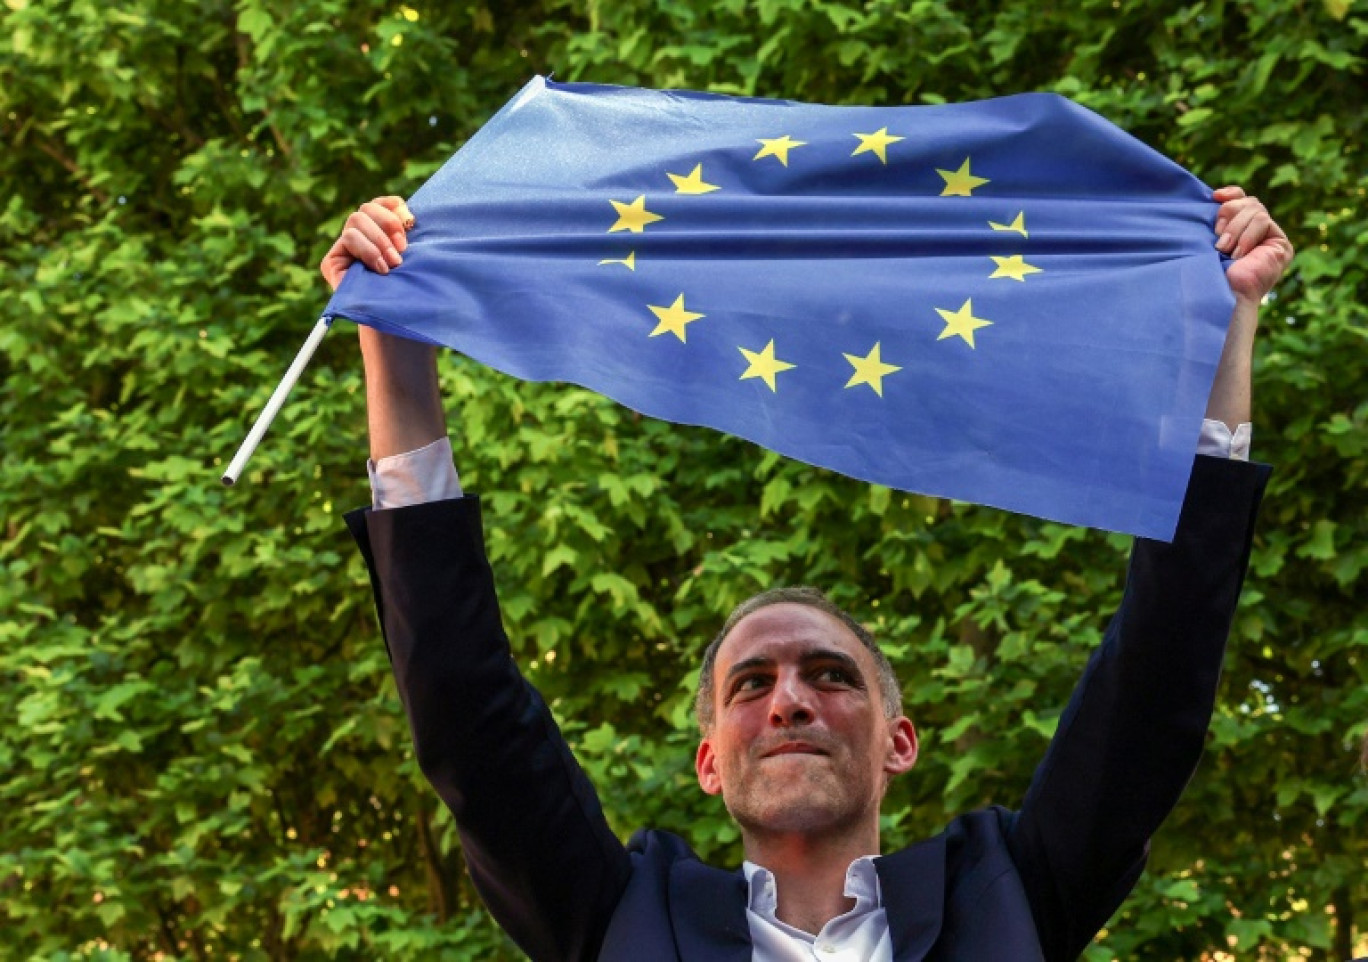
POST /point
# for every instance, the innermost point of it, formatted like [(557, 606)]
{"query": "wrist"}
[(396, 364), (403, 399), (384, 346)]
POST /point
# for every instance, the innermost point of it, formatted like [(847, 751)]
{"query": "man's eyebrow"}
[(829, 654), (759, 661)]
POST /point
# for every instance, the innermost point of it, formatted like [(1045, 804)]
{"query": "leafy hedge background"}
[(202, 754)]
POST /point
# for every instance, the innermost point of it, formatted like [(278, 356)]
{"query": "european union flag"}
[(1010, 302)]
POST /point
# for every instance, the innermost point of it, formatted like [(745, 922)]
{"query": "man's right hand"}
[(403, 401), (373, 235)]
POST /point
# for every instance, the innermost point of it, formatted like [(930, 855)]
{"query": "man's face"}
[(799, 741)]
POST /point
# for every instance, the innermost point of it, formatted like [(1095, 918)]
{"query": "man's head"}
[(801, 718)]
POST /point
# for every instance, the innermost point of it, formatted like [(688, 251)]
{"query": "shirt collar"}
[(861, 884)]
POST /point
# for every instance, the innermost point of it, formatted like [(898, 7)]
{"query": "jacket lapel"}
[(708, 913), (913, 885)]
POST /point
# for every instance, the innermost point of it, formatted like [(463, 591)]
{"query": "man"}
[(800, 714)]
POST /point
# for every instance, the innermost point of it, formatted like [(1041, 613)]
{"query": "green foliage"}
[(203, 753)]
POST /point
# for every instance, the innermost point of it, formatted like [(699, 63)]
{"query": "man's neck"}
[(810, 874)]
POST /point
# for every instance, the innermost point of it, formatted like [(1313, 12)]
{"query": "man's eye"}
[(751, 683), (835, 676)]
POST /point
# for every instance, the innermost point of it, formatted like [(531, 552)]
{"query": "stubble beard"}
[(819, 798)]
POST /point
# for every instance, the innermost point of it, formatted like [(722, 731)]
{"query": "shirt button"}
[(828, 949)]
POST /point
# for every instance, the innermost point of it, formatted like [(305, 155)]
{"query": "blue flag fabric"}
[(1010, 302)]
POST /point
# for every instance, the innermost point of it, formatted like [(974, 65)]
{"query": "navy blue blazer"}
[(1032, 884)]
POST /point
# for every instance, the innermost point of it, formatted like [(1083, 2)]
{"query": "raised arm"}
[(1134, 729), (403, 403), (534, 836), (1261, 253)]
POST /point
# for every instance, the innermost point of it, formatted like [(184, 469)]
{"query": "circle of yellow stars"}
[(869, 369)]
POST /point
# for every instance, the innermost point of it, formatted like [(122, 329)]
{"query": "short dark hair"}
[(889, 688)]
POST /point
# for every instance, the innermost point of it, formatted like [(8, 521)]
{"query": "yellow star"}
[(876, 142), (778, 147), (1014, 267), (960, 183), (628, 262), (764, 365), (870, 370), (692, 184), (961, 323), (673, 319), (1018, 225), (634, 216)]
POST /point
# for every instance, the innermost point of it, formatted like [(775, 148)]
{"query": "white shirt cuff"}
[(414, 477), (1217, 440)]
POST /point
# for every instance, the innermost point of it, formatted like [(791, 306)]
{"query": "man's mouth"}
[(793, 748)]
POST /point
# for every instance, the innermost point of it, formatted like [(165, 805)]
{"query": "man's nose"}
[(791, 701)]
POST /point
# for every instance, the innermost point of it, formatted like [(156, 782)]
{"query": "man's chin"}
[(792, 820), (791, 806)]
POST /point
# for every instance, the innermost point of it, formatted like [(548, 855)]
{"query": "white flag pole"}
[(277, 401)]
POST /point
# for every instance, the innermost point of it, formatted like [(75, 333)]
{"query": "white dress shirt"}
[(860, 935)]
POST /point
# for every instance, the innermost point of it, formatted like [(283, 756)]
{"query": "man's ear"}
[(902, 748), (705, 765)]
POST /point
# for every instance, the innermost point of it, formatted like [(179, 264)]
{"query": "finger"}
[(1252, 236), (1231, 192), (1256, 228), (1247, 228), (1229, 208), (366, 242), (397, 205), (369, 242), (389, 221), (1233, 217), (335, 263)]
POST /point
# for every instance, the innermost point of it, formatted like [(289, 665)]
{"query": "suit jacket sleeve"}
[(533, 832), (1133, 732)]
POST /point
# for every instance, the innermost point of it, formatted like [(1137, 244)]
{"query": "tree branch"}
[(438, 883), (72, 168)]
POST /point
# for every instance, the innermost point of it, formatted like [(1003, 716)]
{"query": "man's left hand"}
[(1248, 233)]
